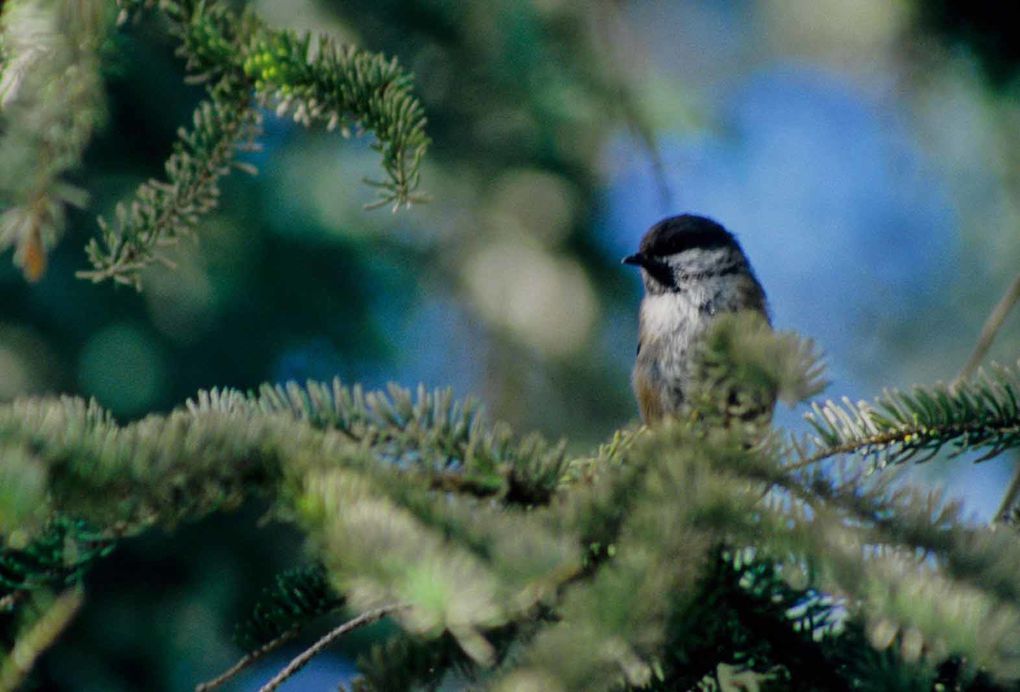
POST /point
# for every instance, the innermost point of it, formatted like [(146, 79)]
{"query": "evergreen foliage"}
[(599, 572), (980, 414), (162, 211), (51, 97), (57, 558), (51, 101), (296, 597), (709, 552)]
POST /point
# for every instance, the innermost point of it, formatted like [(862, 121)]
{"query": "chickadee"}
[(693, 269)]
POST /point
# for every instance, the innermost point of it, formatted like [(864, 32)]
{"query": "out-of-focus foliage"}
[(297, 596), (501, 563), (506, 284), (984, 27), (47, 45), (50, 102), (292, 278)]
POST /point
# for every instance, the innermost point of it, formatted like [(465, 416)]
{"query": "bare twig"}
[(988, 333), (318, 647), (990, 330), (246, 660), (37, 639), (615, 34), (1008, 500)]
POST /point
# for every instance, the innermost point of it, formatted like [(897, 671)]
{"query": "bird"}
[(693, 270)]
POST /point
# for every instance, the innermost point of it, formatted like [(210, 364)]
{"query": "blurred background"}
[(866, 153)]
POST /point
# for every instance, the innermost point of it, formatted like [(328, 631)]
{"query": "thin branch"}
[(891, 437), (988, 333), (318, 647), (990, 330), (615, 34), (1008, 499), (37, 639), (245, 661)]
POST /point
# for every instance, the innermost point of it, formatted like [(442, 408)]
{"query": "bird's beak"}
[(656, 268)]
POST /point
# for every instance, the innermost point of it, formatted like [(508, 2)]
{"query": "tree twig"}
[(989, 331), (37, 639), (850, 447), (615, 34), (246, 661), (1008, 499), (318, 647)]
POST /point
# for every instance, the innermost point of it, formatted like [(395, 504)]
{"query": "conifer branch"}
[(316, 81), (297, 597), (981, 414), (51, 101), (988, 332), (902, 559), (157, 471), (164, 211), (585, 581), (1004, 512), (743, 367), (345, 87), (57, 558), (300, 661), (447, 441)]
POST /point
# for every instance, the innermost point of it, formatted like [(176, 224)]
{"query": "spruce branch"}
[(448, 442), (980, 414), (869, 542), (315, 80), (343, 86), (403, 662), (297, 597), (164, 211), (51, 101), (57, 558), (159, 470), (743, 367), (988, 332), (379, 550), (226, 446), (906, 562), (586, 586), (210, 456)]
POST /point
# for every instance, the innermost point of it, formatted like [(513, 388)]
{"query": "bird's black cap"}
[(678, 233), (684, 232)]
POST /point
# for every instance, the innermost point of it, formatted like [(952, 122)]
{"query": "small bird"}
[(693, 269)]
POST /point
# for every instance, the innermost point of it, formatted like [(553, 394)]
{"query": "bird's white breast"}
[(664, 314)]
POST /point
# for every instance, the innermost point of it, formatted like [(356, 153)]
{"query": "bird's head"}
[(686, 248)]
